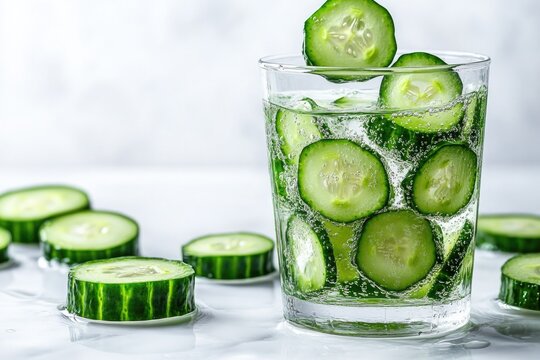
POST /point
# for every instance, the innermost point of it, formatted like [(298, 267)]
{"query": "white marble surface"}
[(235, 322)]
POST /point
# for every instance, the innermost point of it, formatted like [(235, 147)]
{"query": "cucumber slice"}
[(311, 255), (341, 180), (509, 232), (295, 130), (405, 144), (131, 289), (230, 255), (475, 116), (23, 211), (277, 169), (5, 240), (397, 249), (343, 240), (350, 33), (438, 89), (520, 282), (89, 235), (450, 274), (444, 181)]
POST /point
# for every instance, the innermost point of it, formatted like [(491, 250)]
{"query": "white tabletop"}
[(235, 322)]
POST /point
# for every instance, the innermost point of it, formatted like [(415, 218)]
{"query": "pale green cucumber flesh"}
[(295, 131), (89, 235), (445, 180), (23, 211), (341, 180), (350, 33), (432, 95), (37, 203), (230, 256), (396, 249), (343, 240), (509, 232), (310, 255)]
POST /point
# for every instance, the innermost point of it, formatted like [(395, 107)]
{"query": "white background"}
[(176, 83)]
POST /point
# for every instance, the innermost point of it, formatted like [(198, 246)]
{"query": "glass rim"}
[(466, 61)]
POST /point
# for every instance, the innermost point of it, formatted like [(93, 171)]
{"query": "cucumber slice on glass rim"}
[(89, 235), (509, 232), (444, 181), (520, 282), (23, 211), (397, 249), (341, 180), (349, 33), (131, 289), (5, 240), (313, 265), (230, 256), (433, 95)]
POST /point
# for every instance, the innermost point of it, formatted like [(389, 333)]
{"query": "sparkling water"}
[(354, 304)]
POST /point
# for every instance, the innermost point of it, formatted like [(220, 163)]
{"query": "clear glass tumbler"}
[(375, 180)]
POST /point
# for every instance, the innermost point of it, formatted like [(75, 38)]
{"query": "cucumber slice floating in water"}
[(23, 211), (397, 249), (422, 91), (230, 256), (474, 118), (89, 235), (350, 33), (509, 232), (311, 254), (450, 274), (5, 240), (131, 289), (520, 282), (343, 240), (445, 180), (295, 130), (341, 180)]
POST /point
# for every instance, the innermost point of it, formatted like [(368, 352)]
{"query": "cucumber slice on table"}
[(424, 92), (295, 130), (397, 249), (342, 180), (451, 272), (89, 235), (5, 240), (23, 211), (350, 33), (509, 232), (311, 254), (520, 282), (444, 182), (230, 256), (131, 289)]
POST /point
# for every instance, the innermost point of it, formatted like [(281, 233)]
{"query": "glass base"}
[(378, 321)]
